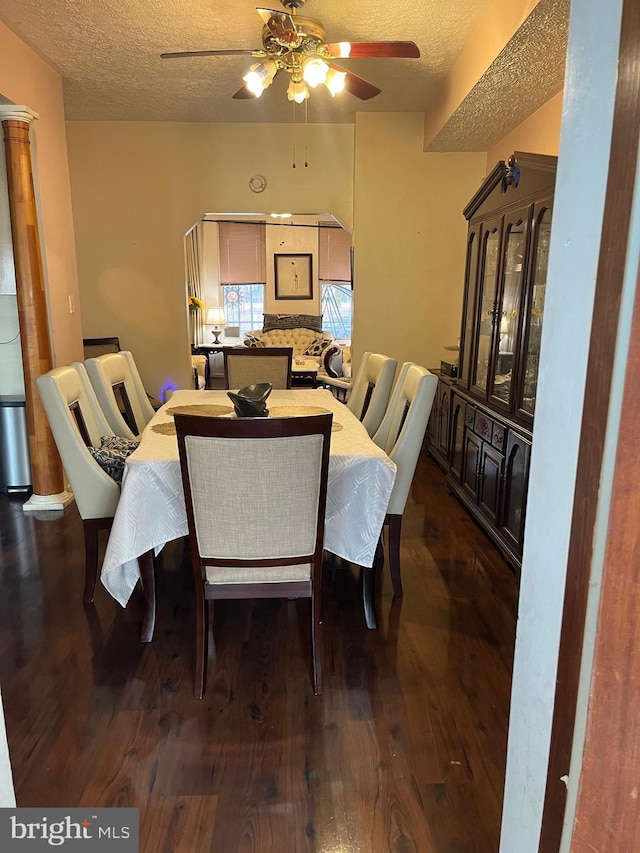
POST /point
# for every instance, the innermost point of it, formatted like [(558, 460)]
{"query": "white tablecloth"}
[(151, 510)]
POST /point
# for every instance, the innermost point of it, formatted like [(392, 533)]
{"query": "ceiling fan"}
[(297, 46)]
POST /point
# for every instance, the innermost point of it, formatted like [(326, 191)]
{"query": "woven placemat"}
[(164, 429), (276, 412), (297, 411), (208, 409)]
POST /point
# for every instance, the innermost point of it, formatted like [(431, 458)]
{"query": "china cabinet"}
[(480, 431)]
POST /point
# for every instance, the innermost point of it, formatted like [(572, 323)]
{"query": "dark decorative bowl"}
[(250, 401)]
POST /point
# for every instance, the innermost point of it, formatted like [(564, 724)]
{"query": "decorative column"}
[(46, 468)]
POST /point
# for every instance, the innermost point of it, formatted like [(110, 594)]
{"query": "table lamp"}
[(216, 318)]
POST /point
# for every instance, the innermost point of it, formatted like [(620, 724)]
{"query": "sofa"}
[(302, 332)]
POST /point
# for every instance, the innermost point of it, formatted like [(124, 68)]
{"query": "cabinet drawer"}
[(483, 425), (498, 436)]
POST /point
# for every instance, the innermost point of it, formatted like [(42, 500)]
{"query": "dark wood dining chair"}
[(248, 365), (93, 347), (264, 538)]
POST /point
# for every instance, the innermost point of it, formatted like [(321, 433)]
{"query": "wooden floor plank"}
[(404, 751)]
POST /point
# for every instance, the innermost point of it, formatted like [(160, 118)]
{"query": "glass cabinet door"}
[(468, 311), (542, 234), (509, 308), (486, 305), (518, 450)]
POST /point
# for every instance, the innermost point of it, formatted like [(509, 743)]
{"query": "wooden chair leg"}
[(202, 642), (380, 547), (90, 559), (316, 642), (91, 526), (395, 526), (369, 597), (148, 579)]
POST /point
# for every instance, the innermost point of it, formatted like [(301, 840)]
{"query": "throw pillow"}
[(252, 341), (111, 454), (292, 321), (123, 446), (317, 347)]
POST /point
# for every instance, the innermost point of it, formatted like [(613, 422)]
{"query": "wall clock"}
[(257, 183)]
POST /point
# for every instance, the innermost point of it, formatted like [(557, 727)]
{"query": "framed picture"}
[(294, 276)]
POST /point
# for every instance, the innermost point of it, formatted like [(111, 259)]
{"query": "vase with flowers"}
[(196, 307)]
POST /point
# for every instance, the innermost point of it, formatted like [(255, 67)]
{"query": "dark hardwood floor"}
[(404, 751)]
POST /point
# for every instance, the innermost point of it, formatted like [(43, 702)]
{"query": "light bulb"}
[(297, 91), (260, 76), (314, 71), (254, 83), (335, 81)]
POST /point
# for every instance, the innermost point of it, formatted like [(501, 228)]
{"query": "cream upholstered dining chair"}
[(199, 365), (77, 423), (371, 388), (265, 539), (120, 392), (93, 347), (249, 365), (400, 435)]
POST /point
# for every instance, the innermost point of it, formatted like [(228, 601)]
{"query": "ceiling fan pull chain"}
[(306, 135), (293, 107)]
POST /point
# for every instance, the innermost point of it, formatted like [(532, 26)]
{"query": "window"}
[(334, 256), (242, 252), (243, 305), (242, 273), (337, 306)]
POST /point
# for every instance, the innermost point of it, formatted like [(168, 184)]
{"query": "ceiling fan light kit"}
[(297, 46), (335, 81), (314, 71), (297, 91), (260, 76)]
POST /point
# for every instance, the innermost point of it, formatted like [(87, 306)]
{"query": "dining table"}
[(151, 509)]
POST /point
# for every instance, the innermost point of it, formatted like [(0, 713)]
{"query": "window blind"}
[(242, 252), (334, 254)]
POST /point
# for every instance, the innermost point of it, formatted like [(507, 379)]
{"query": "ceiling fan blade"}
[(179, 54), (243, 94), (356, 85), (364, 49), (281, 25)]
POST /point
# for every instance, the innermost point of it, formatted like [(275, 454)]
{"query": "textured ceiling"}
[(523, 76), (108, 53)]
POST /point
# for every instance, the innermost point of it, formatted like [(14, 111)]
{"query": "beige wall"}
[(287, 241), (409, 239), (138, 187), (26, 79), (539, 134)]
